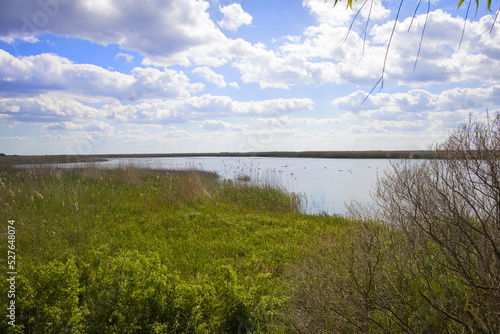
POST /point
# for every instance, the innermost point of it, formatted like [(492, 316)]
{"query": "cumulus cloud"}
[(417, 101), (322, 54), (94, 126), (286, 121), (128, 57), (234, 17), (34, 74), (322, 11), (161, 30), (440, 59), (426, 116), (210, 76), (43, 109), (216, 125), (180, 32), (14, 138), (200, 108)]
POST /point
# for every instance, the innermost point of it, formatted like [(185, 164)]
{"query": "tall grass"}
[(132, 250)]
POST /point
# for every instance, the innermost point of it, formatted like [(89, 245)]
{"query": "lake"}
[(326, 185)]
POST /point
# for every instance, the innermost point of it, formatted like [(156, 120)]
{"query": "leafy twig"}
[(352, 23)]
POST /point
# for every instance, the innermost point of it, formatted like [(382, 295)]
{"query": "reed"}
[(143, 250)]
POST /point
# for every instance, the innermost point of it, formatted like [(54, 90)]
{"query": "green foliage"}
[(142, 251)]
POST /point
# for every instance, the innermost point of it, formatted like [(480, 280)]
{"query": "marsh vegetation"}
[(134, 250)]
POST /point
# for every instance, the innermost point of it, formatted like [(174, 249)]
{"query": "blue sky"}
[(162, 76)]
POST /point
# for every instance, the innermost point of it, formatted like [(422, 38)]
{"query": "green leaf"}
[(460, 3), (489, 5), (349, 3)]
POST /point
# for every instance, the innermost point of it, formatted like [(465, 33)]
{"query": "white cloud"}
[(341, 17), (234, 17), (201, 108), (440, 60), (215, 125), (321, 54), (165, 31), (274, 107), (286, 121), (416, 112), (128, 57), (14, 138), (43, 109), (45, 72), (417, 101), (180, 32), (210, 76), (94, 126), (272, 69)]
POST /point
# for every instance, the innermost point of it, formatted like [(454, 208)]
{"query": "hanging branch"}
[(423, 32), (414, 14), (465, 20), (352, 23), (381, 80), (364, 32), (490, 28)]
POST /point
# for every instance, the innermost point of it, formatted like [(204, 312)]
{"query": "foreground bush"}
[(134, 293), (425, 258)]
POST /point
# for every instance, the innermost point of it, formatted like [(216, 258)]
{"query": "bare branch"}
[(465, 22), (423, 32), (381, 80)]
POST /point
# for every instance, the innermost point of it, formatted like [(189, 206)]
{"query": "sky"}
[(172, 76)]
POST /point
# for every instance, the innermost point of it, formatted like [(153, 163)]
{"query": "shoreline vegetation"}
[(138, 250), (379, 154)]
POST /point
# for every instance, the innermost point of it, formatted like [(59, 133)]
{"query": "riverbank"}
[(139, 250), (44, 159)]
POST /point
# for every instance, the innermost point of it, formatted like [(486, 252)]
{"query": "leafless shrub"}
[(425, 258), (450, 209)]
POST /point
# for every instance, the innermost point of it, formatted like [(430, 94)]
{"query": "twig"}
[(364, 31), (465, 22), (490, 28), (343, 39), (423, 31), (381, 80), (414, 14)]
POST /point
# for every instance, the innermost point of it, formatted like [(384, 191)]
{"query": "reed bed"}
[(135, 250)]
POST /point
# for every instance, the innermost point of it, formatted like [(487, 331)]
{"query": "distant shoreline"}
[(380, 154)]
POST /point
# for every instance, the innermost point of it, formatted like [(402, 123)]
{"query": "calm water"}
[(326, 184)]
